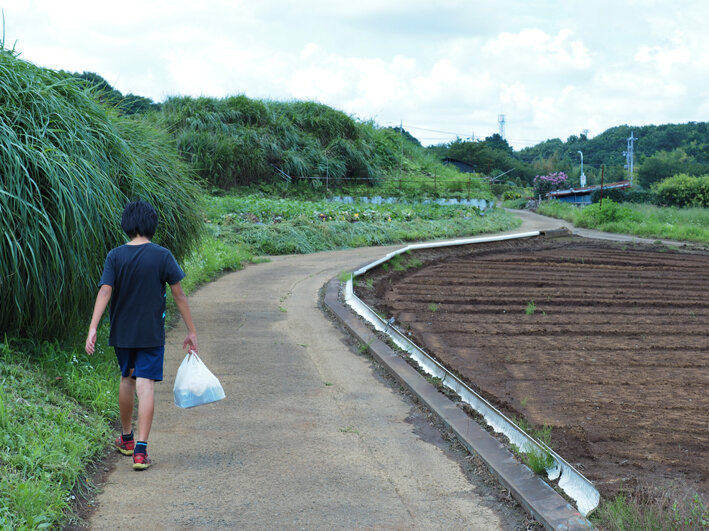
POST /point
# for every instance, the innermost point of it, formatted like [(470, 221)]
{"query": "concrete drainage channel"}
[(535, 495)]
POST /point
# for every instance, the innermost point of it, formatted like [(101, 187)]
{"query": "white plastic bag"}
[(195, 385)]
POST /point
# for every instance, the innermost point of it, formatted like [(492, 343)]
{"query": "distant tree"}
[(133, 104), (130, 104), (497, 142), (665, 164), (408, 136), (106, 93), (543, 184)]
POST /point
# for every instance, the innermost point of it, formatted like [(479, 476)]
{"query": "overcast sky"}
[(445, 68)]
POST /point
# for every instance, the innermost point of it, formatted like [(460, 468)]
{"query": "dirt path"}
[(309, 436)]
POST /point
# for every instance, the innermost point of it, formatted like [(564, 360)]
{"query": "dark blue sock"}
[(128, 437), (141, 448)]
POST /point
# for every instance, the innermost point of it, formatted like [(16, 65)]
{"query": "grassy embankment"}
[(646, 221)]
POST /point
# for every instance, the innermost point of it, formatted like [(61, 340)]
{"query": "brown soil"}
[(615, 356)]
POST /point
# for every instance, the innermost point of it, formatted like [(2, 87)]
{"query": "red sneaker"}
[(125, 447), (141, 461)]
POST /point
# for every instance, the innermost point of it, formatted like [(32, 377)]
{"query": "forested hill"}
[(608, 147), (660, 150)]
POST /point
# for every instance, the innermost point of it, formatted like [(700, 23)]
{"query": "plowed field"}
[(608, 344)]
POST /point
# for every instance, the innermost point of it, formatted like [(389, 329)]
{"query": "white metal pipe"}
[(571, 481)]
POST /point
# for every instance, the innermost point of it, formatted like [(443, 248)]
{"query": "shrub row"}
[(683, 191)]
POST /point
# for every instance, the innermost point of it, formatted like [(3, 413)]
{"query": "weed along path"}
[(310, 435)]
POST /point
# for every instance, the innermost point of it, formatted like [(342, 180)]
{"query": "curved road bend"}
[(309, 436)]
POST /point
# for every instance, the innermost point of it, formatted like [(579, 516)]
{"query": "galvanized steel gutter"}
[(572, 482)]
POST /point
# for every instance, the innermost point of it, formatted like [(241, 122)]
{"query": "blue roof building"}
[(582, 196)]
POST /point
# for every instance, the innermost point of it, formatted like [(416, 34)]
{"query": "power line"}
[(461, 135)]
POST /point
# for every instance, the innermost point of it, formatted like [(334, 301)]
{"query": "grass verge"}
[(56, 405), (645, 509), (647, 221)]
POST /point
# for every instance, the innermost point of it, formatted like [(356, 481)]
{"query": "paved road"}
[(309, 436)]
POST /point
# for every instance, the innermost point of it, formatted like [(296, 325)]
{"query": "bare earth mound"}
[(607, 343)]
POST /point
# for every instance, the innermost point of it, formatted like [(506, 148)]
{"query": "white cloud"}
[(451, 67), (664, 58), (540, 49)]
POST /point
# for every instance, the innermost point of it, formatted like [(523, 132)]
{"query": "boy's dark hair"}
[(139, 218)]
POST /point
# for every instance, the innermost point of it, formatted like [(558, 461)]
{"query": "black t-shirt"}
[(138, 274)]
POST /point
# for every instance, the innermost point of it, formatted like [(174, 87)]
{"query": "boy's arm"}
[(104, 295), (181, 301)]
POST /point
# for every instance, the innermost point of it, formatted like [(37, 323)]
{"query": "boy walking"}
[(133, 280)]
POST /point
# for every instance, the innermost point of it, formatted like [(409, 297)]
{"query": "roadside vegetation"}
[(646, 508), (647, 221)]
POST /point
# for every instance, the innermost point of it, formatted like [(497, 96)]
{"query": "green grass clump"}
[(68, 165), (647, 221), (652, 509), (210, 259), (344, 276), (404, 261), (539, 460), (238, 141), (47, 436)]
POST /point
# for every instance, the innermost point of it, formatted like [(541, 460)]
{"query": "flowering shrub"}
[(543, 184)]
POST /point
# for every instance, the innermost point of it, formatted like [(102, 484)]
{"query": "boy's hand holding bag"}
[(195, 385)]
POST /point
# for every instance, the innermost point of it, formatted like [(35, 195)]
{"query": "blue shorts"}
[(146, 362)]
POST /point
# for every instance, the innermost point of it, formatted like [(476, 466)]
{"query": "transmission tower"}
[(501, 121), (629, 158), (585, 132)]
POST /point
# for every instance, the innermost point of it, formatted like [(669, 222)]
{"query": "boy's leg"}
[(148, 370), (126, 397), (146, 406)]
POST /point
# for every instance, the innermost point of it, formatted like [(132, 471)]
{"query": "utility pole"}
[(629, 157)]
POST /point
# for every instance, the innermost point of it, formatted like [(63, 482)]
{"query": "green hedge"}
[(683, 190)]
